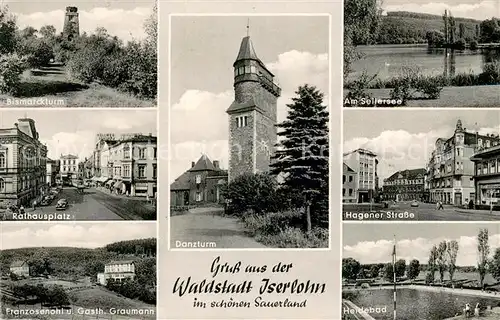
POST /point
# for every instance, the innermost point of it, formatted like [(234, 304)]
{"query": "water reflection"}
[(387, 60)]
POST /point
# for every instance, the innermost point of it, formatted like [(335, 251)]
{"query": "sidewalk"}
[(119, 196), (472, 211)]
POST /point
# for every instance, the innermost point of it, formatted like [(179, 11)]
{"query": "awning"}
[(95, 179), (110, 182), (118, 185), (103, 179)]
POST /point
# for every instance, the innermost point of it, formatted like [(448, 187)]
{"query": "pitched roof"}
[(246, 50), (181, 183), (69, 156), (408, 174), (203, 164), (120, 262), (346, 168), (17, 263)]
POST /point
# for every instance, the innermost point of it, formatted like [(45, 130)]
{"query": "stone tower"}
[(71, 23), (252, 115)]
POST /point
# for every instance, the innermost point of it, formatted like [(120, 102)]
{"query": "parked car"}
[(414, 203), (62, 204), (45, 202)]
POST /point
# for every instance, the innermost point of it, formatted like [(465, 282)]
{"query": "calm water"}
[(418, 305), (387, 60)]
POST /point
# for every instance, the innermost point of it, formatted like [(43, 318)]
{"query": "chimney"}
[(216, 164), (192, 164)]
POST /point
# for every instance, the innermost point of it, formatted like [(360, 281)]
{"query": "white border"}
[(329, 112)]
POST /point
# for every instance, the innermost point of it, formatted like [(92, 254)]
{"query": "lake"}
[(387, 60), (418, 305)]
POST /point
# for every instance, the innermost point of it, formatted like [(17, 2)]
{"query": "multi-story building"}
[(349, 186), (128, 164), (201, 184), (117, 270), (22, 164), (364, 163), (405, 185), (487, 175), (53, 167), (450, 168), (252, 115), (69, 168), (88, 167), (20, 268)]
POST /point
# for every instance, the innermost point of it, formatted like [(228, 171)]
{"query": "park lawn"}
[(52, 83), (104, 299), (474, 276)]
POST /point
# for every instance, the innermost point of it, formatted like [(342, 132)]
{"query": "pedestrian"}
[(437, 205), (441, 205), (34, 205)]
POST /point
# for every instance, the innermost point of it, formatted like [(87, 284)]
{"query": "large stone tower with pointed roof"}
[(252, 115)]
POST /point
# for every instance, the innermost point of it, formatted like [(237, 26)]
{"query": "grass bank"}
[(284, 230)]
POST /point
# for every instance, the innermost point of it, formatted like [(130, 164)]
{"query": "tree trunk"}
[(308, 216)]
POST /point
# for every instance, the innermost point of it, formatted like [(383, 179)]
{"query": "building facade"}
[(487, 176), (364, 163), (53, 167), (451, 170), (405, 185), (128, 164), (201, 184), (349, 187), (252, 115), (20, 268), (118, 271), (69, 168), (23, 168)]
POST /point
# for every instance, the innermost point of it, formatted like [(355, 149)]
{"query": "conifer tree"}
[(302, 154)]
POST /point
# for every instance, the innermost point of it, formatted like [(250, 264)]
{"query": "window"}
[(350, 178), (154, 171), (343, 179), (198, 179), (155, 152), (142, 171), (253, 69), (142, 153), (241, 121), (3, 160), (488, 143), (343, 192), (126, 152), (350, 192), (2, 185), (198, 196)]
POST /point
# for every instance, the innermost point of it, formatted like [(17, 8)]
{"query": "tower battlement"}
[(71, 28)]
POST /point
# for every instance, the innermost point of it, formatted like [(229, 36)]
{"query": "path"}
[(206, 228), (451, 97)]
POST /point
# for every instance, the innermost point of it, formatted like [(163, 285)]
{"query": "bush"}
[(429, 87), (254, 193), (11, 68), (460, 44), (473, 45), (38, 51), (357, 88)]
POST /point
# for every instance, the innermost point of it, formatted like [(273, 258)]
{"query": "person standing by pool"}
[(467, 310), (476, 310)]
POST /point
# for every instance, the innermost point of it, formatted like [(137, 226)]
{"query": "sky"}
[(373, 244), (405, 139), (74, 131), (203, 50), (81, 235), (474, 9), (124, 19)]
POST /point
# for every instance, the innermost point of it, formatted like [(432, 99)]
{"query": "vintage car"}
[(62, 204)]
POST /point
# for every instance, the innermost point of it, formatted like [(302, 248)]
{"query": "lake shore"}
[(465, 292), (451, 97)]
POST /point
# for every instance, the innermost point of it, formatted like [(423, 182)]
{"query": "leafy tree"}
[(452, 253), (432, 262), (28, 32), (400, 267), (255, 193), (442, 259), (494, 266), (93, 267), (350, 268), (48, 32), (413, 269), (461, 30), (302, 155), (7, 31), (38, 51), (374, 271), (389, 272), (145, 271), (483, 251)]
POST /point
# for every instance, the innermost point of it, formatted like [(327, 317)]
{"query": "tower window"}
[(253, 69), (247, 69), (241, 121)]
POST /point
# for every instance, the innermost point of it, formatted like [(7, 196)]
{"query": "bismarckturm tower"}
[(71, 27), (252, 115)]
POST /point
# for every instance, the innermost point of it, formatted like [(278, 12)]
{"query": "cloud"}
[(73, 235), (481, 10), (380, 251), (110, 19), (199, 123), (80, 143)]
